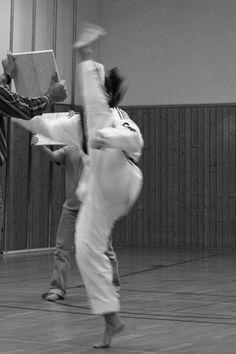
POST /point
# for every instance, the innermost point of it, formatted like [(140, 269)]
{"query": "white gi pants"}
[(114, 185)]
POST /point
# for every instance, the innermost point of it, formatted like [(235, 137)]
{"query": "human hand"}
[(98, 142), (34, 140), (57, 91), (71, 113), (9, 65)]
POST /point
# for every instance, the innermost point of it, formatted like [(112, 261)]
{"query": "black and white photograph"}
[(118, 177)]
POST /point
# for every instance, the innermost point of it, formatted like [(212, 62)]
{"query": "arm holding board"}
[(37, 74)]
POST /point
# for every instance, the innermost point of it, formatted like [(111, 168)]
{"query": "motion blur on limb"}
[(115, 181)]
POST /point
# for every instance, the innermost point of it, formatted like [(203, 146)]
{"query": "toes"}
[(101, 345)]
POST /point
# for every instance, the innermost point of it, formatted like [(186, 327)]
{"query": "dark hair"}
[(114, 87)]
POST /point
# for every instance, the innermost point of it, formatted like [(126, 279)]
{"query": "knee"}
[(82, 249), (85, 255), (65, 245)]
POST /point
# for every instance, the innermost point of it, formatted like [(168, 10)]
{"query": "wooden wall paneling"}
[(194, 177), (232, 177), (137, 240), (213, 178), (219, 176), (141, 201), (188, 179), (176, 181), (157, 148), (154, 179), (5, 168), (129, 228), (164, 181), (140, 207), (130, 232), (225, 175), (137, 213), (222, 176), (17, 198), (200, 177), (182, 178), (144, 240), (2, 210), (206, 177), (143, 227), (170, 176)]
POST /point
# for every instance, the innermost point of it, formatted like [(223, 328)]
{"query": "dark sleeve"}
[(18, 106)]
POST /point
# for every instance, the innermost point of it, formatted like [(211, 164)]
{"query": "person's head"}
[(114, 84)]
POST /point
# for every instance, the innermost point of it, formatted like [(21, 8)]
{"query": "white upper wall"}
[(172, 51), (87, 11), (5, 7)]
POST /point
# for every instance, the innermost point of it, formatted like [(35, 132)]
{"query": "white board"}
[(33, 72)]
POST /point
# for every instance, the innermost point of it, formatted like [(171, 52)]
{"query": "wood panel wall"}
[(34, 196), (189, 194), (189, 166)]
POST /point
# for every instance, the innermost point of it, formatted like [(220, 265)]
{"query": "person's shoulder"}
[(123, 114)]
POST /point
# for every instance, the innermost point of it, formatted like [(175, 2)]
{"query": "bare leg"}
[(113, 326)]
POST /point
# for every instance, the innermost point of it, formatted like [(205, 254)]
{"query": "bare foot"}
[(90, 33), (110, 331)]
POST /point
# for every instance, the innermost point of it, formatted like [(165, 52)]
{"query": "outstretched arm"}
[(63, 130), (49, 154), (13, 105)]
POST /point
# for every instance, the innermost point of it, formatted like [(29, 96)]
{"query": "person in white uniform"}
[(115, 181)]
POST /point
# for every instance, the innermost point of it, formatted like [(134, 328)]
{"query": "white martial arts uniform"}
[(113, 186)]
